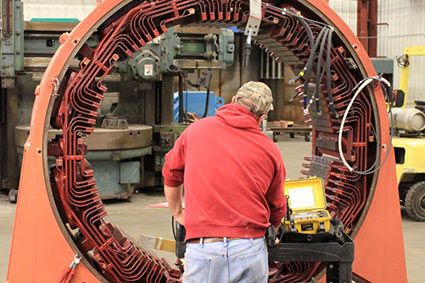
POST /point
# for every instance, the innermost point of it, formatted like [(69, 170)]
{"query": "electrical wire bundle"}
[(322, 66), (318, 64)]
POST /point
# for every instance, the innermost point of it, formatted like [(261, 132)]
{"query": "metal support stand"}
[(337, 256)]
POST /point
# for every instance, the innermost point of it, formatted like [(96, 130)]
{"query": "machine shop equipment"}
[(117, 150), (11, 63), (173, 50), (62, 204), (26, 49), (148, 75), (194, 102)]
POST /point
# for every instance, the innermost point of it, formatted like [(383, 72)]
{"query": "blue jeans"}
[(243, 260)]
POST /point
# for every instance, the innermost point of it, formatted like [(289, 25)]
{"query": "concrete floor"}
[(136, 217)]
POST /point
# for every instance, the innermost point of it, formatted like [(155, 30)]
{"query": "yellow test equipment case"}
[(307, 205)]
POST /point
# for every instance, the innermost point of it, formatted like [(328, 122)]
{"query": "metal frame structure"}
[(60, 213), (338, 257), (367, 25), (411, 51)]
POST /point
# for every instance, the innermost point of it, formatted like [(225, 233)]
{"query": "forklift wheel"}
[(415, 201), (13, 196)]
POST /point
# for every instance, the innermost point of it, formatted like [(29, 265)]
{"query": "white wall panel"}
[(57, 8), (402, 24), (347, 10)]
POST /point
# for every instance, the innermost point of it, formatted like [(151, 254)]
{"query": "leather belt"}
[(210, 240)]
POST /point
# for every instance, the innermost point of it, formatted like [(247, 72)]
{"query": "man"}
[(233, 178)]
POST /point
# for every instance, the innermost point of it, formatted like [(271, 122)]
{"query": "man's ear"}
[(234, 99)]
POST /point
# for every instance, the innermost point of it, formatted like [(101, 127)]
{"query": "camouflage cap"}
[(256, 96)]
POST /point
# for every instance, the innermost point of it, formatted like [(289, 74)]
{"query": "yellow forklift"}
[(408, 120)]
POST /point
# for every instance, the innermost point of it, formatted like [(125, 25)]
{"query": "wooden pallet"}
[(292, 131)]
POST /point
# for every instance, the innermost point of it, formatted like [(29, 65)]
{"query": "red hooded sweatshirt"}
[(233, 176)]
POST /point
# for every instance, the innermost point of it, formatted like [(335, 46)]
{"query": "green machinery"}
[(133, 133), (189, 48), (11, 64)]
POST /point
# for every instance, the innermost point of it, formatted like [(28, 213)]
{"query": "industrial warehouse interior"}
[(212, 141)]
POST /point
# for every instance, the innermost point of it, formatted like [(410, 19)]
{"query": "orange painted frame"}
[(41, 249)]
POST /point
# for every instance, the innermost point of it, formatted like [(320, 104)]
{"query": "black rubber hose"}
[(310, 39), (309, 65), (319, 72), (309, 32), (319, 78), (207, 103), (181, 109), (329, 74), (308, 69)]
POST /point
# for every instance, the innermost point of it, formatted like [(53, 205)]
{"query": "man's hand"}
[(276, 228), (180, 218)]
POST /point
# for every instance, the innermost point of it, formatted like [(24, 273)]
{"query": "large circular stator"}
[(63, 205)]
